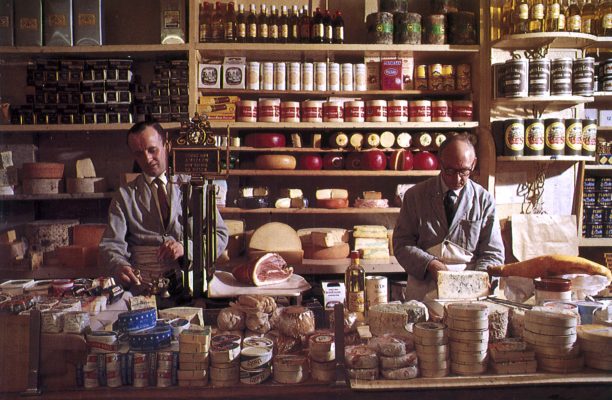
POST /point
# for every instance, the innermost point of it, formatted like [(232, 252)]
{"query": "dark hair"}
[(460, 137), (141, 126)]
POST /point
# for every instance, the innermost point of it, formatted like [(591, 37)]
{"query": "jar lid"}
[(553, 284)]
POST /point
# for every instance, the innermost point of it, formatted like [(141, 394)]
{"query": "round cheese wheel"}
[(405, 360), (332, 203), (42, 170), (467, 310), (86, 185), (429, 330), (266, 238), (434, 373), (41, 186), (360, 357), (337, 252), (275, 161), (263, 140)]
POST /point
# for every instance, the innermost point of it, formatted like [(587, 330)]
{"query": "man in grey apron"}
[(145, 222), (447, 222)]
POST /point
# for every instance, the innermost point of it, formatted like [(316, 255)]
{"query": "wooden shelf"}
[(328, 93), (603, 42), (316, 150), (59, 196), (553, 103), (339, 173), (350, 210), (546, 158), (342, 125), (604, 128), (77, 128), (595, 242), (559, 40), (598, 167), (142, 51)]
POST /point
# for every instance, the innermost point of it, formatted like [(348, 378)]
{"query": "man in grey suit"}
[(145, 222), (447, 222)]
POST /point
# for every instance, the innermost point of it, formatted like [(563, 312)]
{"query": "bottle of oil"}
[(283, 26), (218, 24), (304, 23), (241, 25), (572, 17), (317, 34), (273, 25), (354, 282), (252, 24), (587, 16), (553, 11), (536, 16), (338, 28), (604, 17), (262, 25), (294, 26), (230, 23), (205, 21), (521, 17)]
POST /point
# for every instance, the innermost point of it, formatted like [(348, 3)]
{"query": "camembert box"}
[(209, 74), (234, 72)]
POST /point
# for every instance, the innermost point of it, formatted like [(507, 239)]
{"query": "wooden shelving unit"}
[(327, 93), (546, 158), (309, 210), (596, 242), (77, 128), (338, 173), (559, 40), (59, 196), (341, 125)]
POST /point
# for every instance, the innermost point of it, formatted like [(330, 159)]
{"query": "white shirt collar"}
[(446, 188), (150, 179)]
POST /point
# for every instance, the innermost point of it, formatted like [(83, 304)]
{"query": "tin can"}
[(605, 68), (294, 76), (280, 76), (420, 111), (514, 137), (439, 138), (354, 111), (253, 75), (448, 77), (573, 137), (333, 111), (376, 111), (91, 379), (583, 73), (397, 111), (463, 76), (534, 137), (141, 379), (380, 28), (347, 77), (113, 378), (589, 137), (515, 78), (462, 110), (268, 110), (420, 81), (312, 111), (539, 77), (360, 74), (307, 76), (333, 76), (376, 290), (435, 80), (246, 111), (561, 77), (406, 28), (554, 136), (461, 28), (606, 84), (440, 111), (267, 76), (320, 81), (435, 29), (290, 111), (164, 378), (499, 80), (140, 362)]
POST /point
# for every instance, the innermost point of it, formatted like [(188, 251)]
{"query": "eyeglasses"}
[(464, 172)]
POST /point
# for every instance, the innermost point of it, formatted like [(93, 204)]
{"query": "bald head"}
[(458, 159)]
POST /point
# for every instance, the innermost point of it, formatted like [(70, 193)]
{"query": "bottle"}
[(604, 18), (553, 10), (283, 26), (205, 20), (218, 24), (338, 28), (562, 27), (294, 26), (572, 17), (317, 32), (328, 28), (273, 25), (587, 16), (262, 25), (521, 17), (536, 16), (304, 23), (252, 24), (506, 17), (354, 282), (230, 23), (241, 25)]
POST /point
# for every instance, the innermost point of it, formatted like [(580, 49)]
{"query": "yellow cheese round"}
[(548, 340), (595, 333)]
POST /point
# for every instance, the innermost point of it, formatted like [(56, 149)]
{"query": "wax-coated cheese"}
[(266, 238), (249, 191), (283, 202), (462, 284)]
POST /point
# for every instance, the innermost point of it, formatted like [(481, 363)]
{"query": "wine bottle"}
[(338, 28), (354, 283), (241, 25)]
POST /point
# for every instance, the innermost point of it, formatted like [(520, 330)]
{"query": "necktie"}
[(449, 206), (164, 208)]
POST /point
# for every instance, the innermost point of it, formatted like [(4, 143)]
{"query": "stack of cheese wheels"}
[(361, 362), (395, 361), (194, 347), (468, 332), (552, 334), (431, 342), (290, 368), (596, 344), (225, 360), (255, 364), (42, 177), (322, 354)]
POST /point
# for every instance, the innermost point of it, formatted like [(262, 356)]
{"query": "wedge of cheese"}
[(369, 243), (283, 202), (372, 195), (254, 191), (291, 193), (375, 253), (324, 194), (462, 284), (329, 238), (369, 231), (85, 168)]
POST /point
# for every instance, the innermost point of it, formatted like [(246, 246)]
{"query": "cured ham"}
[(269, 269)]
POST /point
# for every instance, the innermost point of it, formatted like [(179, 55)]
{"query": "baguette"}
[(551, 265)]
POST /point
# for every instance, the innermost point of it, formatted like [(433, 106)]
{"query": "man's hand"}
[(434, 266), (127, 276), (170, 250)]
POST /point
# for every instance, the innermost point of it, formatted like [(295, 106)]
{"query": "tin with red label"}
[(589, 137), (376, 111), (534, 137), (354, 111), (246, 111), (440, 111), (462, 110), (391, 74), (397, 111), (290, 111), (312, 111), (268, 110), (514, 137), (420, 111), (573, 137), (554, 136), (333, 111)]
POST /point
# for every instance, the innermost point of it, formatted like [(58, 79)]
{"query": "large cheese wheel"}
[(267, 236), (337, 252), (275, 161), (262, 140), (41, 170), (86, 185), (41, 186), (332, 203)]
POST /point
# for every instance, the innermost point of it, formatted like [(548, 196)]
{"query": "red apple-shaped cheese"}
[(263, 140), (333, 161), (425, 160), (401, 160), (353, 161), (310, 162), (374, 160)]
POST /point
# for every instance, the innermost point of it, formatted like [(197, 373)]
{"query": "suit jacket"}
[(422, 225), (134, 220)]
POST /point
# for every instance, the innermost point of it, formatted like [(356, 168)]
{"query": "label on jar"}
[(333, 72), (419, 112), (339, 33), (514, 136), (354, 112), (573, 136), (384, 27), (252, 30), (376, 111), (555, 136), (534, 135), (554, 10)]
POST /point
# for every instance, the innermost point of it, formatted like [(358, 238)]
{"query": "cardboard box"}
[(209, 75), (57, 26), (333, 292), (87, 22), (373, 72), (7, 37), (391, 75), (407, 73), (172, 21), (234, 72), (28, 23)]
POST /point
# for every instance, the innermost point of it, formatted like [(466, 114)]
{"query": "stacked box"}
[(218, 108), (225, 360), (597, 203), (167, 96), (194, 346)]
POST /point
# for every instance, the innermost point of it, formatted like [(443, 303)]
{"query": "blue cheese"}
[(462, 284)]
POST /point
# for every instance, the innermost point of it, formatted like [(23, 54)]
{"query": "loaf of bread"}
[(551, 265)]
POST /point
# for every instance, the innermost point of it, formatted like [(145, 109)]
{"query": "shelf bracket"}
[(533, 192)]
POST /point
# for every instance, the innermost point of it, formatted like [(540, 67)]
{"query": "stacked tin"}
[(597, 202), (256, 361), (225, 360)]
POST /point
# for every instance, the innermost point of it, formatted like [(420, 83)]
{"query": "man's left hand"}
[(170, 250)]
